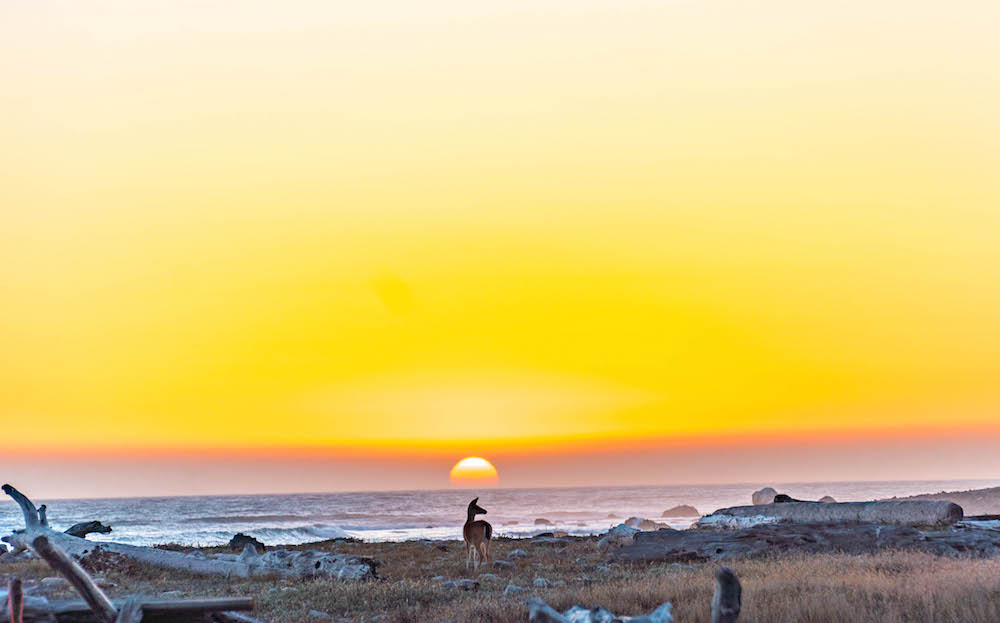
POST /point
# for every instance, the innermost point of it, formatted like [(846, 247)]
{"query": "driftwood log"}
[(98, 608), (39, 609), (286, 563), (918, 513)]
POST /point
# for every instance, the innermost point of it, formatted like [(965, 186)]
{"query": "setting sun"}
[(473, 471)]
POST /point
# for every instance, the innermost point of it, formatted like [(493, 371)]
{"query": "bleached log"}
[(280, 562), (42, 610), (919, 513)]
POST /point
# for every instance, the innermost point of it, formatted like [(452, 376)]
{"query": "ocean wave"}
[(226, 519), (299, 534)]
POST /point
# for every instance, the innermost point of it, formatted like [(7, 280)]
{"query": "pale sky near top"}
[(401, 233)]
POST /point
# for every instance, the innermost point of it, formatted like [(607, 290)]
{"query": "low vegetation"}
[(885, 588)]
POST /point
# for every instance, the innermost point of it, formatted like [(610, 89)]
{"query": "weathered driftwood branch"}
[(72, 571), (15, 601), (81, 530), (31, 519), (295, 564)]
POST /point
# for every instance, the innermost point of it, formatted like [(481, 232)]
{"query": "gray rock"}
[(240, 541), (558, 583), (171, 594), (313, 563), (541, 521), (549, 540), (541, 612), (517, 553), (488, 577), (197, 555), (826, 499), (682, 511), (503, 564), (437, 578), (541, 583), (619, 536), (53, 582), (513, 589), (320, 615), (763, 496), (641, 523), (464, 584)]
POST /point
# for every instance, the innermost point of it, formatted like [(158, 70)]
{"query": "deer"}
[(477, 534)]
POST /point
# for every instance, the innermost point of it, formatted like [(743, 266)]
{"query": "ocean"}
[(402, 515)]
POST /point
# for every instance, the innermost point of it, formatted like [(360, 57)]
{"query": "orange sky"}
[(537, 232)]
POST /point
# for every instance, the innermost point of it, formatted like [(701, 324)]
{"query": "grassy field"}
[(885, 588)]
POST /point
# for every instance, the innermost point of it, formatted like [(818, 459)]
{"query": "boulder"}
[(641, 523), (488, 577), (83, 529), (764, 496), (541, 583), (924, 513), (619, 536), (517, 553), (463, 585), (239, 543), (826, 499), (541, 521), (781, 498), (514, 589), (503, 564), (681, 511)]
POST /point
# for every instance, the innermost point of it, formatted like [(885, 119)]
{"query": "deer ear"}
[(475, 501)]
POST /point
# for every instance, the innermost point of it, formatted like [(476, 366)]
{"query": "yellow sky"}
[(464, 227)]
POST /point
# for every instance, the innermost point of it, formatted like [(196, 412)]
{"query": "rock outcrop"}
[(641, 523), (541, 612), (810, 538), (81, 530), (619, 536), (921, 513), (239, 543), (681, 511)]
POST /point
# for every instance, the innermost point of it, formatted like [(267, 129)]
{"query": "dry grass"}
[(886, 588)]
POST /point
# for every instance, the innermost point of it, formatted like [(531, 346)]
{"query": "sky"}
[(319, 246)]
